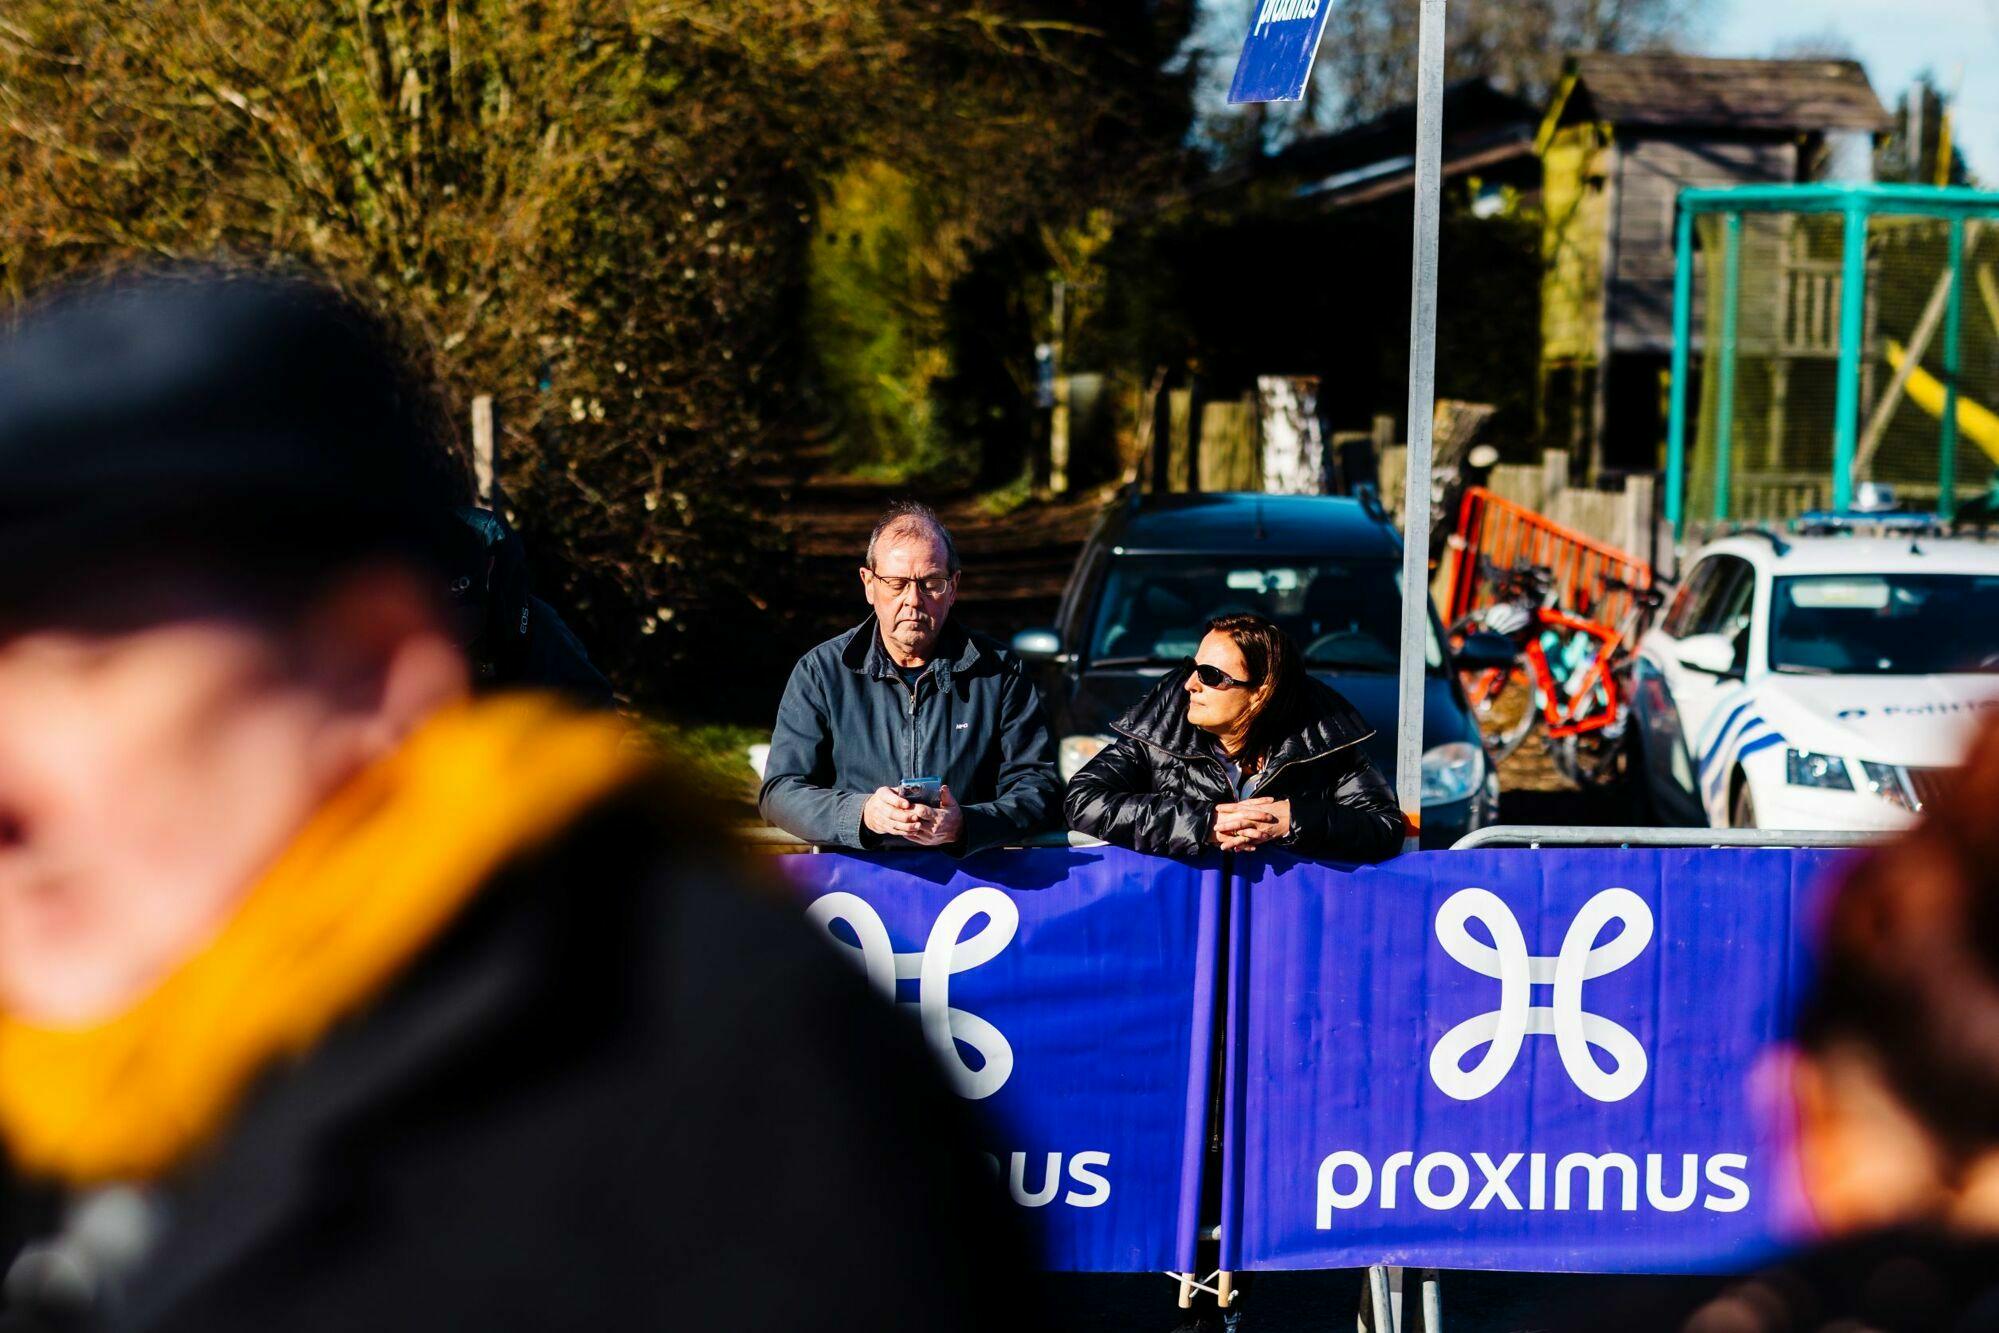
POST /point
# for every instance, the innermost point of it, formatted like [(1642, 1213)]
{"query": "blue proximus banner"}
[(1071, 995), (1546, 1060)]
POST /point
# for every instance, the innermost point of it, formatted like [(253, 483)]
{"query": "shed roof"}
[(1487, 132), (1707, 92), (1484, 130)]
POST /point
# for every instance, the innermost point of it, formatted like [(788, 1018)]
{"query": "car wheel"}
[(1743, 813)]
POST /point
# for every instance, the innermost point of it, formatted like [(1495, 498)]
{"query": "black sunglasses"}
[(1215, 678)]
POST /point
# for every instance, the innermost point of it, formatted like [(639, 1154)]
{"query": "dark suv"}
[(1328, 570)]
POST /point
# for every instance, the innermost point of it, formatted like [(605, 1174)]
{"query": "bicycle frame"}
[(1575, 712), (1565, 712)]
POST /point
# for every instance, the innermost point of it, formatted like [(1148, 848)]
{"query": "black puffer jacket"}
[(1156, 787)]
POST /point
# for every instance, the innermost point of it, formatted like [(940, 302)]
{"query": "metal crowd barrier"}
[(1382, 1294), (764, 838), (1553, 835), (1529, 836), (1493, 528)]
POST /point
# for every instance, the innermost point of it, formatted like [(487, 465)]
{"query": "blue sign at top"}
[(1277, 59)]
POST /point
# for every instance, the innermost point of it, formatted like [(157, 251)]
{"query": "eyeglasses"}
[(935, 585), (1217, 679)]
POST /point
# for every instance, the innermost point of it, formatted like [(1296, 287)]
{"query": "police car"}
[(1822, 682)]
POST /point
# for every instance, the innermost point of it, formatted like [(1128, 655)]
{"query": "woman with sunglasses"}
[(1244, 751)]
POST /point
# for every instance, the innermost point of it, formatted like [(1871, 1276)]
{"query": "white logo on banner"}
[(1506, 959), (945, 954)]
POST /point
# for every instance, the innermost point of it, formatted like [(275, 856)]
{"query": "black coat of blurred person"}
[(1245, 751), (333, 996)]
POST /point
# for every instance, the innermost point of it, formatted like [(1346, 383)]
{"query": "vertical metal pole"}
[(485, 451), (1852, 332), (1683, 355), (1724, 411), (1422, 406), (1918, 104), (1058, 421), (1953, 356), (1433, 1302)]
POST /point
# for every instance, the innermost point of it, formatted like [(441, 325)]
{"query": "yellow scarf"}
[(376, 874)]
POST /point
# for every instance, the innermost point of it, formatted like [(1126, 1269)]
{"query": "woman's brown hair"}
[(1269, 655), (1910, 970)]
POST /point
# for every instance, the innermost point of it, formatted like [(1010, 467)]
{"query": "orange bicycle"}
[(1568, 678)]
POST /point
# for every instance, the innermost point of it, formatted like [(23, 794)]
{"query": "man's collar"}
[(954, 651)]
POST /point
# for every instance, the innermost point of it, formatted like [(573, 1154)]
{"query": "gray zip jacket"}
[(849, 725)]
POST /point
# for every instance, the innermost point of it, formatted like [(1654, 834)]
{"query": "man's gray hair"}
[(909, 513)]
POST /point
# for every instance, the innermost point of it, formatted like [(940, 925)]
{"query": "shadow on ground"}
[(1329, 1302)]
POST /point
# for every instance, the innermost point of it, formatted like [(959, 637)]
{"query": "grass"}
[(1009, 499), (713, 757)]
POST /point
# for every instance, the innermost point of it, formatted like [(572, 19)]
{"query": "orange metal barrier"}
[(1497, 532)]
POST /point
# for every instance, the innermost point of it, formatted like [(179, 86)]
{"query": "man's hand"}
[(888, 814), (938, 827), (1243, 826)]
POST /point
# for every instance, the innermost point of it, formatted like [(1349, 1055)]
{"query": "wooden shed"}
[(1623, 136)]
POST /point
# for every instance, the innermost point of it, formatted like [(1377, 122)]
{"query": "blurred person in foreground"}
[(1244, 752), (910, 694), (332, 997)]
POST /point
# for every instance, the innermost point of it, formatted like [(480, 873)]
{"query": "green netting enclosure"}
[(1803, 394)]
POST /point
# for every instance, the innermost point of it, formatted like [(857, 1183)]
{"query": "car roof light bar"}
[(1825, 523)]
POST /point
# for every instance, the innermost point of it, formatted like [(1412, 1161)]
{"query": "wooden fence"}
[(1225, 453)]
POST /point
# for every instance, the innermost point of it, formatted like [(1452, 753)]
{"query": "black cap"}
[(191, 407)]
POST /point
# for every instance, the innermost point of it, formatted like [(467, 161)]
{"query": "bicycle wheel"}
[(1504, 702), (1592, 759), (1600, 757), (1509, 713)]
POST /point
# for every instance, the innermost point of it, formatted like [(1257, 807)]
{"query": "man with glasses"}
[(909, 731)]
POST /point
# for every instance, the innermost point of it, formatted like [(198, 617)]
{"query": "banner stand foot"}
[(1377, 1306), (1218, 1284)]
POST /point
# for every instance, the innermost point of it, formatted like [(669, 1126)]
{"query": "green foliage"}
[(599, 211), (879, 282)]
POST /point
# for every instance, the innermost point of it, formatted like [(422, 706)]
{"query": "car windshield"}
[(1885, 624), (1346, 615)]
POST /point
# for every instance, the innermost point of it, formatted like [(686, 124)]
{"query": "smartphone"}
[(921, 791)]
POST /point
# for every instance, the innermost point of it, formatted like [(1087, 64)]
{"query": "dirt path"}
[(1016, 563)]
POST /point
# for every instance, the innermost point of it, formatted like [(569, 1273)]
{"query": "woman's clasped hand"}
[(1241, 826)]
